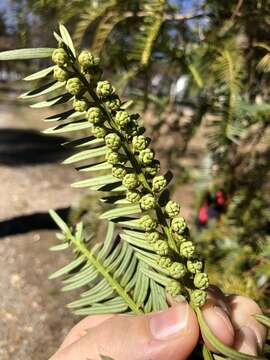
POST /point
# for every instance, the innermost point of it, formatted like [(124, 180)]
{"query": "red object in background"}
[(203, 214), (220, 198)]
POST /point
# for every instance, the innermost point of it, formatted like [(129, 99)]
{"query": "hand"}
[(171, 334)]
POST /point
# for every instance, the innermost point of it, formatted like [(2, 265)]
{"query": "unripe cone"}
[(140, 142), (60, 74), (74, 86), (177, 270), (172, 208), (148, 202), (113, 157), (164, 262), (122, 118), (194, 266), (95, 116), (159, 183), (113, 141), (60, 57), (187, 249), (161, 247), (173, 288), (118, 171), (131, 181), (146, 156), (148, 223), (153, 168), (113, 104), (152, 236), (98, 132), (80, 105), (87, 60), (198, 298), (133, 196), (104, 89), (201, 281), (178, 225)]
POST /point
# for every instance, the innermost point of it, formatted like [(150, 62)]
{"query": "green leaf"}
[(42, 90), (66, 269), (217, 344), (103, 357), (95, 167), (137, 242), (71, 126), (39, 74), (59, 222), (156, 277), (60, 116), (86, 154), (67, 38), (263, 319), (59, 247), (122, 211), (59, 99), (96, 181), (24, 54)]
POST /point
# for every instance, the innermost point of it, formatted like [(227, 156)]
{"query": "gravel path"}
[(33, 317)]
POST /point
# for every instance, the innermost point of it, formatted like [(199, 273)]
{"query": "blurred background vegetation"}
[(199, 72)]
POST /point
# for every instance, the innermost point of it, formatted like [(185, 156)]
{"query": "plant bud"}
[(172, 208), (148, 223), (161, 247), (159, 183), (98, 131), (153, 168), (179, 239), (177, 270), (131, 181), (201, 281), (113, 141), (133, 196), (173, 288), (178, 224), (187, 249), (86, 60), (74, 86), (113, 104), (113, 157), (148, 202), (80, 105), (104, 89), (140, 142), (146, 156), (164, 262), (122, 118), (194, 266), (198, 298), (60, 74), (118, 171), (60, 57), (95, 116), (152, 236)]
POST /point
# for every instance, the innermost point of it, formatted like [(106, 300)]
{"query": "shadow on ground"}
[(25, 223), (29, 147)]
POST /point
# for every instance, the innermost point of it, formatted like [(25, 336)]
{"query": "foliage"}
[(147, 257)]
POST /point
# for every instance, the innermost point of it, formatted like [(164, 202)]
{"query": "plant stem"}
[(100, 268), (132, 159)]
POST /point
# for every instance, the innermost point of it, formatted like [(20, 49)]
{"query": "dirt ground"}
[(33, 317)]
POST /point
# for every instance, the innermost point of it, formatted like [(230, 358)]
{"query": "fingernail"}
[(169, 323), (224, 318), (246, 341)]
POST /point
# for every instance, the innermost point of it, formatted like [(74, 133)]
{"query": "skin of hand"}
[(170, 334)]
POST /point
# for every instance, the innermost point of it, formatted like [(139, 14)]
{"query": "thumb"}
[(171, 334)]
